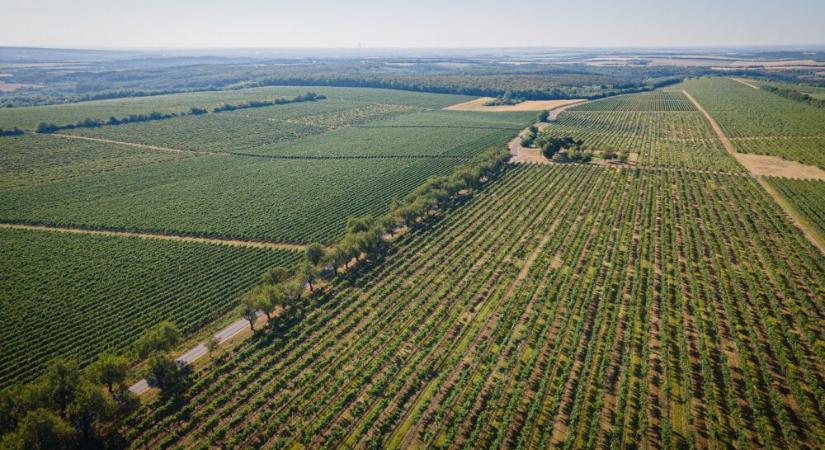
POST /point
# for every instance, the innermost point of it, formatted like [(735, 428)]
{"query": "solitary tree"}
[(308, 273), (249, 311), (164, 372), (543, 116), (212, 344), (110, 370), (269, 299), (159, 338), (276, 275), (314, 253)]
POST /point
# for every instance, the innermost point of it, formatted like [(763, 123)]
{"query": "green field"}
[(38, 159), (292, 172), (227, 196), (760, 122), (564, 307), (74, 295), (661, 128)]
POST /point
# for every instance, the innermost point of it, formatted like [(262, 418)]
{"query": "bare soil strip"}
[(167, 237), (745, 83), (136, 145), (764, 168), (530, 105)]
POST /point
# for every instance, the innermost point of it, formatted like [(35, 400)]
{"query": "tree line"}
[(46, 127), (795, 95), (11, 132), (366, 239), (73, 408), (308, 97)]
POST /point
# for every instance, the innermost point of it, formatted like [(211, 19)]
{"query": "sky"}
[(409, 24)]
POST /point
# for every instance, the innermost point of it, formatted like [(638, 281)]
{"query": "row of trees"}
[(11, 132), (795, 95), (47, 127), (308, 97), (366, 239)]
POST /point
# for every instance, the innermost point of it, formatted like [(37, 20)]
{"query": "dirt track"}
[(166, 237), (739, 80)]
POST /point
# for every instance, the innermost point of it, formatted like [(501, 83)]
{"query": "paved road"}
[(199, 350)]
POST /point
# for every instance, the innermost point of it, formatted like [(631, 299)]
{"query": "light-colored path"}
[(167, 237), (199, 350), (748, 162), (745, 83), (136, 145)]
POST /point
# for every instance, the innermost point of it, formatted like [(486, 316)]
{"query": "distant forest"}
[(73, 80)]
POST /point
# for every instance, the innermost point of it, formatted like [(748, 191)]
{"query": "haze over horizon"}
[(211, 24)]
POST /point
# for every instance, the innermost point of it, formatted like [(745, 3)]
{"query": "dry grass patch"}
[(775, 166)]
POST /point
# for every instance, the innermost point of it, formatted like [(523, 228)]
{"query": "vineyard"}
[(227, 196), (646, 101), (808, 197), (78, 295), (32, 160), (663, 128), (288, 172), (565, 306), (760, 122)]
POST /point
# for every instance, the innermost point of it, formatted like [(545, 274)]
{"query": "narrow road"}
[(791, 212), (199, 350), (165, 237)]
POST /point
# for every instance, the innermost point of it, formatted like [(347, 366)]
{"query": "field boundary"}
[(158, 236)]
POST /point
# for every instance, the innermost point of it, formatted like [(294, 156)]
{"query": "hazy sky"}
[(417, 23)]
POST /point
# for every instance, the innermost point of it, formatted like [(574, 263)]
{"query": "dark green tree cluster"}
[(11, 132), (550, 146), (543, 115), (68, 408), (160, 338), (45, 128), (795, 95), (529, 138), (508, 98)]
